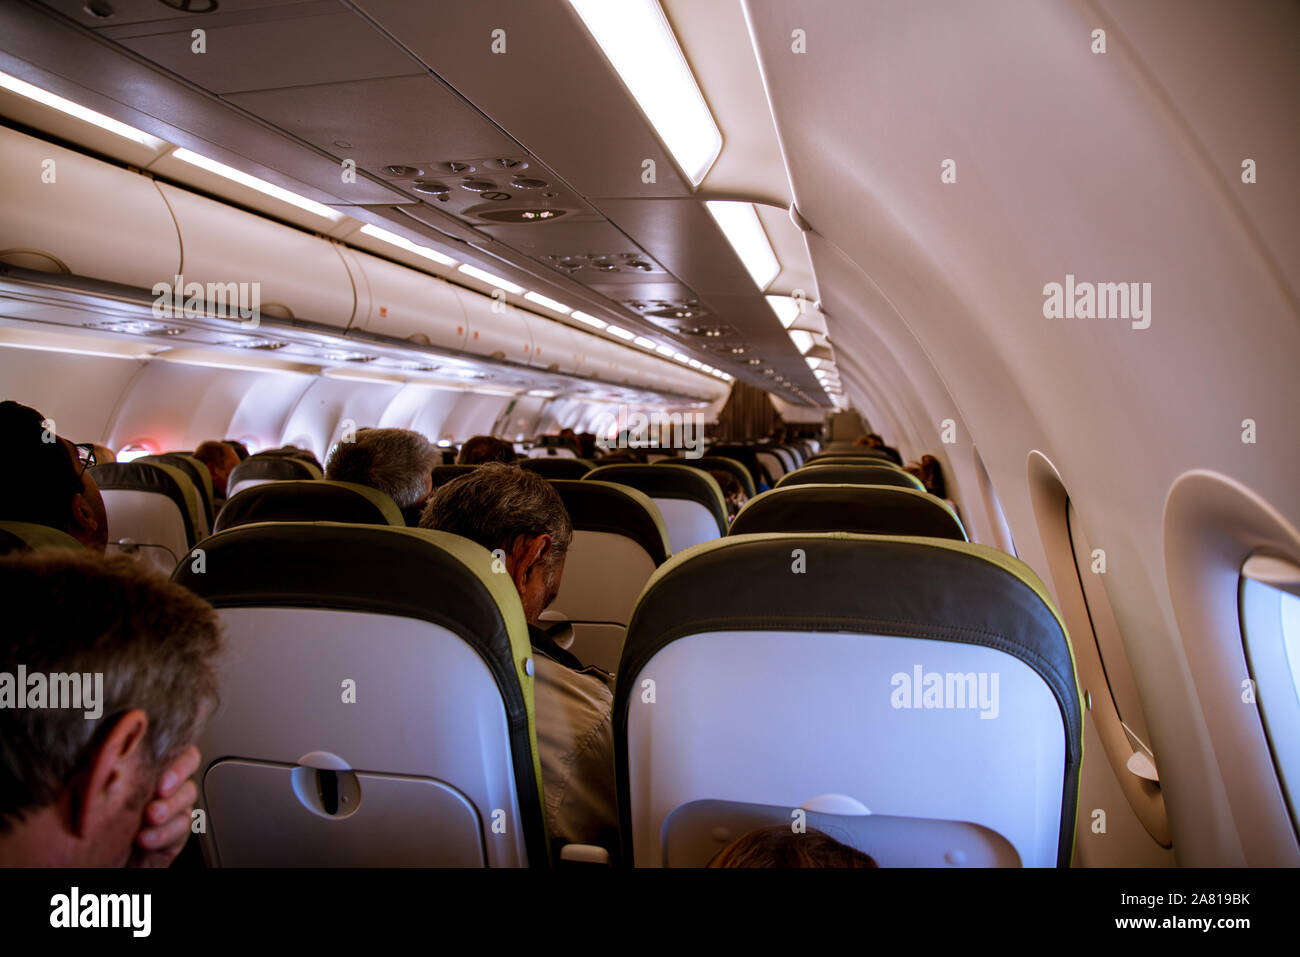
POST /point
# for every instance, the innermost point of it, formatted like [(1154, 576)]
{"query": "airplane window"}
[(1270, 627), (132, 451)]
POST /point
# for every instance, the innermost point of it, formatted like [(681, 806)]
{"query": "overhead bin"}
[(63, 212), (404, 303), (556, 347), (300, 276), (495, 334)]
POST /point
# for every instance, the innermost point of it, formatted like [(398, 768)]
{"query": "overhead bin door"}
[(301, 276), (556, 347), (406, 304), (495, 335), (61, 211)]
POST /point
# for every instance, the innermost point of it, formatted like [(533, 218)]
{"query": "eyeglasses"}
[(86, 455)]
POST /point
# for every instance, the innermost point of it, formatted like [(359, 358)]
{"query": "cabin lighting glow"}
[(482, 275), (46, 98), (589, 320), (252, 182), (621, 333), (401, 242), (665, 351), (802, 340), (739, 223), (550, 304), (637, 40), (643, 342), (787, 309)]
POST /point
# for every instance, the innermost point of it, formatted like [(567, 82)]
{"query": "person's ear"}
[(83, 516), (107, 782), (528, 551)]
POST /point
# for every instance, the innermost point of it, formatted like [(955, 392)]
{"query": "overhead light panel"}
[(665, 351), (550, 304), (482, 275), (682, 358), (252, 182), (637, 40), (787, 309), (802, 340), (589, 320), (813, 363), (401, 242), (695, 364), (621, 333), (643, 342), (739, 223), (46, 98)]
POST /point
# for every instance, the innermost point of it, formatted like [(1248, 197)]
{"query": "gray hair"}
[(398, 462), (496, 504)]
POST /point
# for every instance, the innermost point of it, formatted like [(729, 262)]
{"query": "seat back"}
[(868, 509), (718, 463), (851, 475), (772, 460), (853, 460), (442, 474), (748, 457), (557, 467), (153, 510), (319, 500), (201, 479), (922, 678), (28, 536), (619, 539), (851, 452), (269, 467), (376, 702), (689, 500), (551, 451)]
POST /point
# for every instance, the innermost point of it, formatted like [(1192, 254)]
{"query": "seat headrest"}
[(853, 452), (868, 509), (156, 477), (558, 468), (319, 500), (744, 454), (198, 472), (851, 475), (852, 460), (24, 536), (693, 485), (272, 468), (718, 463), (616, 509)]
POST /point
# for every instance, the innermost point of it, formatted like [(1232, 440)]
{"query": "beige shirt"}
[(575, 742)]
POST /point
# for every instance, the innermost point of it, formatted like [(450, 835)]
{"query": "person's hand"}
[(166, 822)]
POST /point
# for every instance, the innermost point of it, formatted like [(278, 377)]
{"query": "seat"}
[(690, 501), (376, 702), (319, 500), (558, 467), (718, 463), (852, 452), (28, 536), (832, 459), (201, 478), (868, 509), (442, 474), (796, 452), (747, 457), (270, 467), (551, 451), (619, 539), (772, 459), (153, 510), (851, 475), (924, 679)]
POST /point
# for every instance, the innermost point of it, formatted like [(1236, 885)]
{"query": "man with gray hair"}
[(507, 508), (397, 462)]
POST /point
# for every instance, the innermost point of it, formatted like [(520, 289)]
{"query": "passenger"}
[(779, 846), (874, 441), (240, 448), (517, 511), (46, 481), (100, 776), (221, 459), (731, 491), (103, 454), (931, 476), (397, 462), (485, 448), (587, 440)]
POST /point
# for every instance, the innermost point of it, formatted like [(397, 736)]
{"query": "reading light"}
[(802, 340), (261, 185), (621, 333), (46, 98), (637, 40), (484, 276), (739, 223), (551, 304), (787, 309), (401, 242), (589, 320)]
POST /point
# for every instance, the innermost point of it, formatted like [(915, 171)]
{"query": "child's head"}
[(780, 846)]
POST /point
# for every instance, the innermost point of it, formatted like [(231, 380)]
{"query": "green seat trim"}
[(806, 502), (851, 474), (695, 485), (36, 536), (309, 500), (589, 504)]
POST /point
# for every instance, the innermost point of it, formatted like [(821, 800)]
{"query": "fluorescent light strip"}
[(484, 276), (261, 185), (643, 342), (621, 333), (401, 242), (46, 98), (695, 364), (739, 223), (802, 340), (665, 351), (813, 363), (551, 304), (639, 43), (787, 309), (589, 320), (681, 358)]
